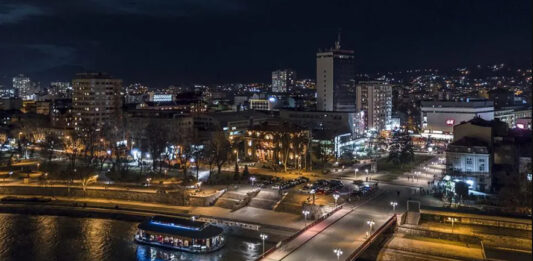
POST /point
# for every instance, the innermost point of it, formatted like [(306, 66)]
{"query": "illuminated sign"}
[(520, 125), (450, 122), (162, 98)]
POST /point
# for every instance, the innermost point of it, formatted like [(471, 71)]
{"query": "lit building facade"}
[(283, 80), (437, 118), (23, 87), (469, 160), (260, 104), (95, 98), (283, 144), (335, 73), (374, 98)]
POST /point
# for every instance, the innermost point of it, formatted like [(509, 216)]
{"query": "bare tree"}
[(157, 139), (50, 144), (218, 150)]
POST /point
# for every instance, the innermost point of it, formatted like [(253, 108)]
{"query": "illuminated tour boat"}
[(180, 234)]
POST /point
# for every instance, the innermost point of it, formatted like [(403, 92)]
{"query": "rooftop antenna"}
[(338, 42)]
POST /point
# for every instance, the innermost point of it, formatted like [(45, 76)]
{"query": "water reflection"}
[(235, 249), (65, 238)]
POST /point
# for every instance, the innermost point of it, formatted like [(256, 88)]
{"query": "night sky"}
[(162, 42)]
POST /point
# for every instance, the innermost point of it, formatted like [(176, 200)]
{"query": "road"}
[(349, 232)]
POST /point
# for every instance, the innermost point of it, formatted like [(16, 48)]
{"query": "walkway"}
[(311, 232)]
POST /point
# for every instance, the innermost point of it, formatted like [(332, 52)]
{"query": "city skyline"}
[(232, 41)]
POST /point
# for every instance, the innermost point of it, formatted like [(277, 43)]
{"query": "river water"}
[(65, 238)]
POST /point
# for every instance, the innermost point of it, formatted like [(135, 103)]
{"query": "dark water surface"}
[(65, 238)]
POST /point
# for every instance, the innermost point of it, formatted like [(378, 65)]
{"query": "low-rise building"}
[(439, 117), (469, 160)]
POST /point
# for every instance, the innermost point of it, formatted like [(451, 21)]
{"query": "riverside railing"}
[(318, 220), (361, 249)]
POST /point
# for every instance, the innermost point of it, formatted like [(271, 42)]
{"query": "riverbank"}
[(285, 223)]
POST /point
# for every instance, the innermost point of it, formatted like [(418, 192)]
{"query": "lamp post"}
[(252, 179), (336, 197), (338, 253), (453, 221), (263, 237), (305, 212), (236, 153), (148, 181), (313, 192), (394, 204), (370, 225), (366, 171), (355, 174)]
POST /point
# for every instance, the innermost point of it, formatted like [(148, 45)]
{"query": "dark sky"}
[(162, 42)]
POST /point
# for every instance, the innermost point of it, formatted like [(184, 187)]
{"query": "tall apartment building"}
[(374, 99), (283, 80), (335, 73), (23, 86), (95, 98)]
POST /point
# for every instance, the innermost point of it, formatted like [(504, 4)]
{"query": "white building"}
[(438, 117), (261, 104), (469, 160), (375, 99), (335, 73), (283, 80)]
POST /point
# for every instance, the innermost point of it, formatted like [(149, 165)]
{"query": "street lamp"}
[(370, 224), (356, 170), (252, 179), (313, 192), (236, 153), (366, 170), (305, 212), (338, 253), (394, 204), (263, 237), (193, 218), (453, 220), (336, 197)]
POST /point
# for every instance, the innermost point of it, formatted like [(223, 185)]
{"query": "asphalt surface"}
[(348, 232)]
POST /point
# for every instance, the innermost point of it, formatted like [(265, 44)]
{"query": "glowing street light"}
[(366, 171), (193, 218), (394, 204), (305, 212), (263, 237), (453, 220), (370, 224), (336, 197), (252, 179), (356, 170), (338, 253)]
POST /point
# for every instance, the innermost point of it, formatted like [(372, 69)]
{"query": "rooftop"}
[(181, 227), (468, 103)]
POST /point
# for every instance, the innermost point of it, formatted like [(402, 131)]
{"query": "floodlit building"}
[(335, 73), (95, 99), (374, 98), (469, 160), (260, 104), (277, 144), (283, 80)]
